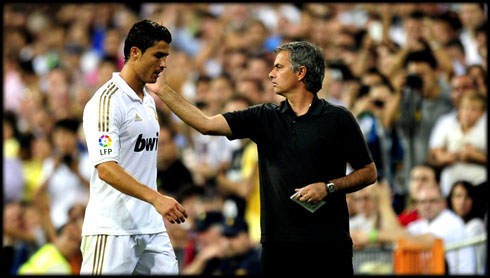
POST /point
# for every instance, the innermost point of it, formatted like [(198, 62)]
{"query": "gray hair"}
[(302, 53)]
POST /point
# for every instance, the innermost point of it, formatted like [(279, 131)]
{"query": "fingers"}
[(304, 196), (174, 217), (308, 196), (177, 214)]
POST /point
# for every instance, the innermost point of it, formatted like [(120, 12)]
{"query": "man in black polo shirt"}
[(304, 145)]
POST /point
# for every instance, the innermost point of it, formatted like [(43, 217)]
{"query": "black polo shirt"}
[(297, 151)]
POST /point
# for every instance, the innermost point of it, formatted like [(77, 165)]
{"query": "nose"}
[(271, 75), (163, 63)]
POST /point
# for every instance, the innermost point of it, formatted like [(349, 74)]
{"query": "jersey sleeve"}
[(102, 121), (243, 123), (356, 149)]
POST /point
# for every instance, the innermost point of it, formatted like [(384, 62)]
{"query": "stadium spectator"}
[(366, 218), (465, 201), (211, 245), (243, 257), (436, 221), (421, 176), (54, 258), (240, 181), (460, 86), (462, 144), (66, 173), (424, 98), (471, 16), (479, 76), (172, 174)]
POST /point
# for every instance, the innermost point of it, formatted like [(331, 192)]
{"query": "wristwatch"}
[(331, 188)]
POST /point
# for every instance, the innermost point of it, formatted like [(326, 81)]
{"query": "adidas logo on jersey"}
[(137, 118), (146, 143)]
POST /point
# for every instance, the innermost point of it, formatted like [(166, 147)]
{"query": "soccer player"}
[(123, 231)]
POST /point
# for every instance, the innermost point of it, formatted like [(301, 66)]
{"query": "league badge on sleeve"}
[(105, 142)]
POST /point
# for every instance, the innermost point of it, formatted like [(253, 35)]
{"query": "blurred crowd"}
[(413, 75)]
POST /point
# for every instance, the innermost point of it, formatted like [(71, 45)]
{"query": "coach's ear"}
[(301, 73)]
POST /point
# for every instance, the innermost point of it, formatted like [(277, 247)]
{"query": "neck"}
[(128, 74), (433, 93), (300, 103)]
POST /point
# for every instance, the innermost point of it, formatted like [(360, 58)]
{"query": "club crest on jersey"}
[(148, 144), (105, 142)]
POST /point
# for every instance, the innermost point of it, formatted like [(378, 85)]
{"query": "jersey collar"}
[(116, 76), (315, 108)]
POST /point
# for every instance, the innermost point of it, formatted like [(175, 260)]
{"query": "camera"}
[(67, 159), (379, 103), (414, 81)]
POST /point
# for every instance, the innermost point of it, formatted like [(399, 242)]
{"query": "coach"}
[(304, 145)]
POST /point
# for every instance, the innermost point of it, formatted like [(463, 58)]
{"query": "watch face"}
[(331, 187)]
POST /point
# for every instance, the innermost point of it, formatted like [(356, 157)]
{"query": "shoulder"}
[(337, 110), (418, 226), (448, 218), (475, 226), (107, 94), (447, 120)]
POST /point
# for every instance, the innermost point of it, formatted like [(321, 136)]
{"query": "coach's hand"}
[(312, 193), (170, 209), (160, 86)]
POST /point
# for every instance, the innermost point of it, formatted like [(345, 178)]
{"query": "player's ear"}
[(135, 53)]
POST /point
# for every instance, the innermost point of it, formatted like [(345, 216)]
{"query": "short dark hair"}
[(456, 43), (67, 124), (145, 34), (303, 53), (425, 56)]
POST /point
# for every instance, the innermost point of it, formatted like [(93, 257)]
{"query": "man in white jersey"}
[(123, 231)]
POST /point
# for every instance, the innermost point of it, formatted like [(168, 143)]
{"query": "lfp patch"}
[(105, 141)]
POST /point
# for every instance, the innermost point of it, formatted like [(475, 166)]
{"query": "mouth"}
[(156, 74)]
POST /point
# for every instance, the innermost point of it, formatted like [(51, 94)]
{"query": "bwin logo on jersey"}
[(148, 144)]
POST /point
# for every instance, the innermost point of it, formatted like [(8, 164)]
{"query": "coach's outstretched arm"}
[(191, 115)]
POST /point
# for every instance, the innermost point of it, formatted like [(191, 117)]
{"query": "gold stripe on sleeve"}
[(100, 104), (104, 107), (108, 108)]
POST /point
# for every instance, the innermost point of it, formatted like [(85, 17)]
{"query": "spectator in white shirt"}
[(436, 222), (465, 201)]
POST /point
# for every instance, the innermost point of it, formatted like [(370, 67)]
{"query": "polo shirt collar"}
[(121, 83), (315, 108)]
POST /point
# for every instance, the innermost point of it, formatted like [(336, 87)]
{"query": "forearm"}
[(386, 236), (392, 111), (389, 219), (191, 115), (117, 177), (356, 180), (476, 156)]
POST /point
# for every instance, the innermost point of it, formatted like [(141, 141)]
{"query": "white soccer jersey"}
[(121, 127)]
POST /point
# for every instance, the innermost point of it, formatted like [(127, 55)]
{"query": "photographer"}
[(65, 173), (423, 99)]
